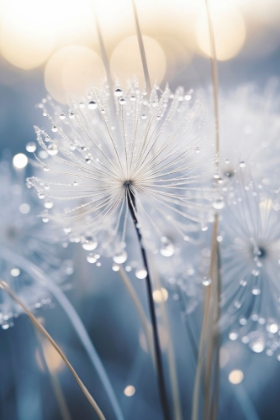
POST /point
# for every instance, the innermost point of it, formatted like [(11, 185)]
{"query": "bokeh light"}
[(236, 376), (229, 30), (129, 390), (160, 295), (71, 70), (126, 60), (20, 161)]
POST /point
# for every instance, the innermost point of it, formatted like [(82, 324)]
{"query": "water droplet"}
[(45, 218), (71, 115), (218, 203), (31, 147), (62, 116), (141, 273), (120, 257), (256, 291), (233, 335), (206, 281), (132, 98), (118, 92), (75, 183), (204, 228), (167, 248), (67, 229), (41, 196), (91, 258), (197, 149), (15, 272), (52, 149), (144, 117), (89, 243), (257, 342), (242, 164), (115, 267), (122, 101), (48, 204), (92, 105), (54, 129)]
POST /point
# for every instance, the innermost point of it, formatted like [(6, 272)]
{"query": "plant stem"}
[(160, 372), (141, 48)]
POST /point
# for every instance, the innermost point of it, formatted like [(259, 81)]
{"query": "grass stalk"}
[(62, 405), (4, 286), (141, 49), (41, 278), (138, 305)]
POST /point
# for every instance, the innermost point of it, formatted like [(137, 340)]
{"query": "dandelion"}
[(150, 150), (250, 265), (23, 233), (249, 128), (132, 157)]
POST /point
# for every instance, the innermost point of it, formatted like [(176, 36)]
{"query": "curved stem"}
[(37, 274), (37, 324), (158, 357)]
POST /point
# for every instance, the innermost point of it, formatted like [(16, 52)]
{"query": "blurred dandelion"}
[(23, 233), (250, 265)]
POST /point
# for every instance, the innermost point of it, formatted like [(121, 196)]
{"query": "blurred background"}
[(52, 47)]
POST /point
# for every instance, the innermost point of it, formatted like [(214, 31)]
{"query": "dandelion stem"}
[(141, 48), (158, 358), (37, 324)]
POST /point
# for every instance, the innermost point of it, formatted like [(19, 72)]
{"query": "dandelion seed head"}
[(127, 150)]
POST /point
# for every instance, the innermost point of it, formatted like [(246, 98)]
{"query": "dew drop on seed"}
[(120, 258), (167, 247), (91, 258), (48, 204), (89, 243), (218, 204), (31, 147), (52, 149), (92, 105), (141, 273), (118, 92)]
